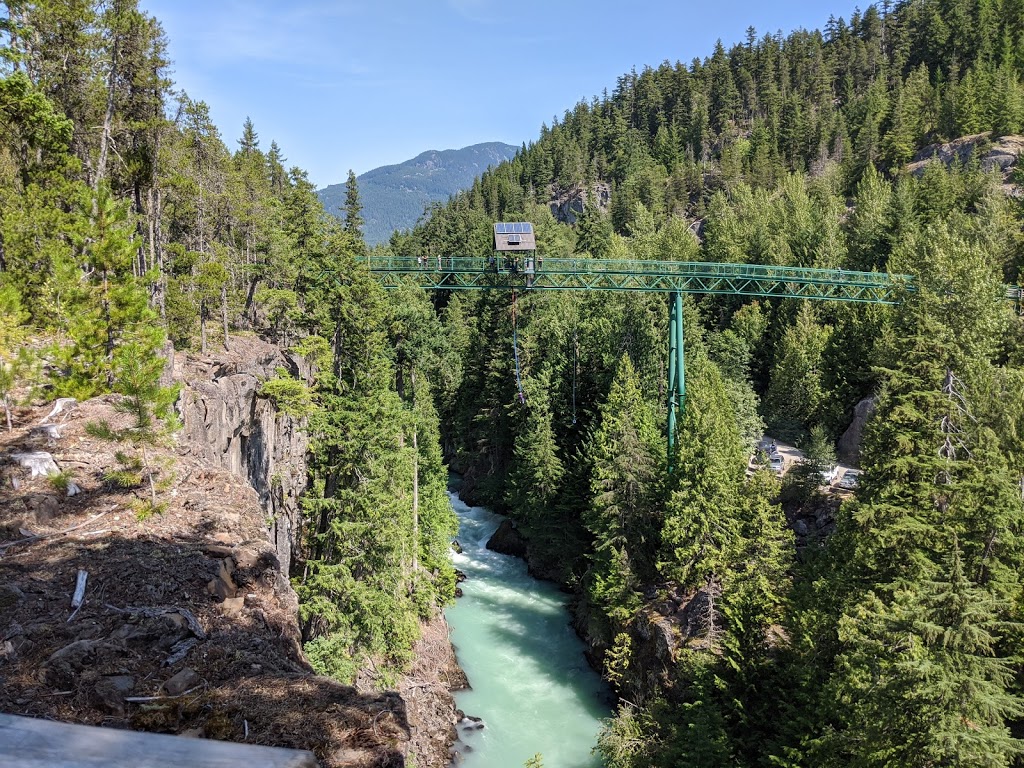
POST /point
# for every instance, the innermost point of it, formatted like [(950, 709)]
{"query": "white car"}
[(828, 476), (777, 463), (849, 480)]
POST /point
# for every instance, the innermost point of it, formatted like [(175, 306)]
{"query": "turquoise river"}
[(531, 687)]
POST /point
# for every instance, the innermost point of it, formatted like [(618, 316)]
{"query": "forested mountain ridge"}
[(126, 221), (888, 633), (746, 621), (394, 197)]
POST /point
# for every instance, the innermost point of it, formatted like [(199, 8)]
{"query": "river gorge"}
[(532, 691)]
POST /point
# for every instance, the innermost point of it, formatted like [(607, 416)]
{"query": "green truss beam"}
[(471, 273), (528, 273)]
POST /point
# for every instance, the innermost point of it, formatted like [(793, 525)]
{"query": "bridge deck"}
[(528, 273)]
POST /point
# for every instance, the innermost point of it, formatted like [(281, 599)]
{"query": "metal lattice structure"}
[(1015, 293), (508, 273), (527, 272)]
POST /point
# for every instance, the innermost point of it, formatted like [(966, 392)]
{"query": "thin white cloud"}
[(277, 33), (479, 11)]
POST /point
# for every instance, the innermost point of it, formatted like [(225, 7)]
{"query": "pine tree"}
[(353, 208), (537, 470), (15, 360), (795, 394), (623, 515), (702, 516), (151, 408), (922, 677)]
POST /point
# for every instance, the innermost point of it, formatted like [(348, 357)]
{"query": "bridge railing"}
[(585, 266)]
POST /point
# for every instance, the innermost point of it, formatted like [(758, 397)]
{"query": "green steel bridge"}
[(527, 272), (472, 273)]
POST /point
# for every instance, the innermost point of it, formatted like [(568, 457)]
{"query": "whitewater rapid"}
[(531, 686)]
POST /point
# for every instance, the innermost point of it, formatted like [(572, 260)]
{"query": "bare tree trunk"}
[(202, 326), (224, 313), (108, 115), (140, 229), (110, 327), (249, 312), (161, 282)]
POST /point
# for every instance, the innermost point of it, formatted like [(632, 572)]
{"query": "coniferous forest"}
[(888, 633)]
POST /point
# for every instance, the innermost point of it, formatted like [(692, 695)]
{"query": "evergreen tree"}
[(623, 515), (795, 394), (151, 408), (922, 681), (702, 517), (353, 208), (537, 470)]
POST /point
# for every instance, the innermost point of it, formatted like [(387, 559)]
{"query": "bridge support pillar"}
[(676, 371)]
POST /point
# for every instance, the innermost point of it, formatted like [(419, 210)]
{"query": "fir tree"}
[(623, 516), (353, 208)]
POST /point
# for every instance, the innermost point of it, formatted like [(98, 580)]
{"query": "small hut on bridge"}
[(512, 238)]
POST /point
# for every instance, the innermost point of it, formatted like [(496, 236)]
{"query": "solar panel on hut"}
[(513, 236)]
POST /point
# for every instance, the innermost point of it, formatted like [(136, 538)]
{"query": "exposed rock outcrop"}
[(567, 205), (993, 154), (849, 443), (507, 540), (186, 608), (228, 423), (192, 604), (670, 620), (426, 691)]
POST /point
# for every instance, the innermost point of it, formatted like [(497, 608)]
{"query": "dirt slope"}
[(188, 625)]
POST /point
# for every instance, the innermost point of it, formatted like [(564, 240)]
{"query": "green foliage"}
[(330, 655), (61, 481), (17, 363), (922, 681), (795, 396), (803, 482), (895, 641), (765, 144), (627, 741), (701, 516), (150, 408), (626, 460), (537, 470), (289, 395)]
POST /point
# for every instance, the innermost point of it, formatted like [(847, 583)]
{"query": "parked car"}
[(849, 480), (777, 463), (828, 475)]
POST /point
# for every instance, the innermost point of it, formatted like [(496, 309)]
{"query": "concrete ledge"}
[(30, 743)]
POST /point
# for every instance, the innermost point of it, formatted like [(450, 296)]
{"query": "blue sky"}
[(343, 84)]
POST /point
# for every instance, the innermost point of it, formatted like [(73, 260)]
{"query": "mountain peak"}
[(395, 196)]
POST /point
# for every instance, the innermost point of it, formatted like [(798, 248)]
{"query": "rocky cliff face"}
[(568, 204), (998, 154), (227, 423)]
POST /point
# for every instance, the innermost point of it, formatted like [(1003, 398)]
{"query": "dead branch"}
[(149, 612), (79, 597), (42, 536)]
